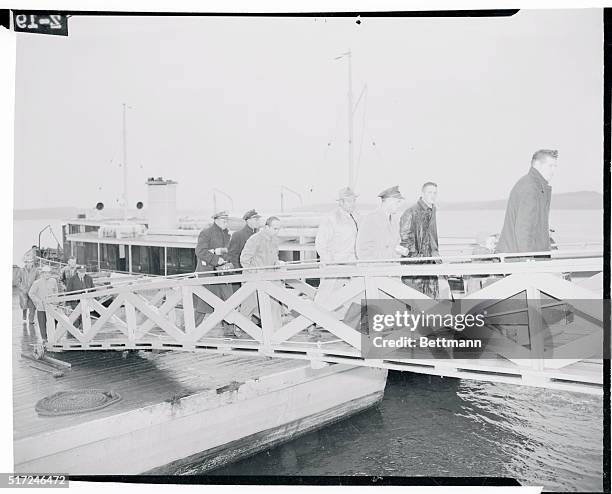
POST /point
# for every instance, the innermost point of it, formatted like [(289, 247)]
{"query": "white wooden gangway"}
[(158, 313)]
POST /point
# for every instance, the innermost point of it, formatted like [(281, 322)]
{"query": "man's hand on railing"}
[(401, 250)]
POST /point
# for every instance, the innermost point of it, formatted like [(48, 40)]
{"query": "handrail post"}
[(535, 327)]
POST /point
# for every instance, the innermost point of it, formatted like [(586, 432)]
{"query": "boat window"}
[(90, 256), (109, 255), (147, 260), (181, 260)]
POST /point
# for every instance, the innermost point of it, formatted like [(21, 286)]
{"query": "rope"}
[(77, 401)]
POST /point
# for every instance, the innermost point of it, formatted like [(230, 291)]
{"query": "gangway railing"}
[(277, 309)]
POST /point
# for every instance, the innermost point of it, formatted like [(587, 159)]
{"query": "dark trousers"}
[(41, 315)]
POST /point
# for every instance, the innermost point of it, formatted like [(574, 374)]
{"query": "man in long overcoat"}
[(211, 254), (526, 227)]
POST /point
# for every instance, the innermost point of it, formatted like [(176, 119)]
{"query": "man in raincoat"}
[(419, 237)]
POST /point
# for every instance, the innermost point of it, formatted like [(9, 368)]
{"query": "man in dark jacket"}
[(526, 223), (419, 237), (240, 237), (211, 254), (78, 281)]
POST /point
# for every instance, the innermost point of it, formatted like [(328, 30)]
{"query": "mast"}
[(351, 170), (125, 166)]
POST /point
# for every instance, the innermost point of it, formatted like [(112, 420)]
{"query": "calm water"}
[(431, 426)]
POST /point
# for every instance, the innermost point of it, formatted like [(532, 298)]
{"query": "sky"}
[(247, 105)]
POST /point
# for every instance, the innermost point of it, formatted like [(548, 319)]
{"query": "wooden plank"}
[(105, 315), (153, 313), (300, 323), (226, 310), (320, 316), (188, 311)]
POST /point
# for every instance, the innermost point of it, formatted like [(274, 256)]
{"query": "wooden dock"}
[(176, 407), (158, 314)]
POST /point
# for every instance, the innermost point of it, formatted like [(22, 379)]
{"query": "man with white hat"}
[(336, 241), (42, 288), (378, 234)]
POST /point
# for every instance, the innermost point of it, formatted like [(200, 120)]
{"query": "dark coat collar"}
[(537, 176)]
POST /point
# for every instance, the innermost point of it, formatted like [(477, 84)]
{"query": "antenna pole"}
[(350, 122), (125, 166)]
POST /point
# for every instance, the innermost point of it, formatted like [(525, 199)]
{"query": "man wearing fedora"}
[(378, 235), (336, 241), (212, 255)]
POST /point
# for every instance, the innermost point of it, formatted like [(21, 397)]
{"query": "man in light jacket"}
[(261, 251), (526, 227), (336, 242), (25, 279), (378, 236), (42, 288)]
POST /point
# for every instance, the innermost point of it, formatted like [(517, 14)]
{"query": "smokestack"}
[(161, 204)]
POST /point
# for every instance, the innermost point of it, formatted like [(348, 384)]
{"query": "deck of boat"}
[(142, 378)]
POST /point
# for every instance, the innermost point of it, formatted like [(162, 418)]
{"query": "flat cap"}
[(251, 213), (220, 214), (346, 193), (81, 267), (46, 269), (391, 192)]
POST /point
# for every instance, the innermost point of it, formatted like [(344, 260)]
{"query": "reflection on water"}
[(430, 426)]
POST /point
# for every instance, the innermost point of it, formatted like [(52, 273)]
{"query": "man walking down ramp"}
[(378, 236), (211, 254), (336, 242), (526, 227), (419, 235), (261, 251)]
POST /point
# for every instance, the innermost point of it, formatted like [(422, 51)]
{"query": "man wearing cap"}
[(211, 254), (419, 235), (378, 235), (239, 238), (42, 288), (336, 240), (25, 279)]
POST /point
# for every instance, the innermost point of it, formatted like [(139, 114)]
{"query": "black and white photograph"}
[(311, 248)]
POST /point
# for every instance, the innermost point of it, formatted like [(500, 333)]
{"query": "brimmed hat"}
[(346, 193), (46, 269), (220, 214), (251, 214), (391, 192), (81, 267)]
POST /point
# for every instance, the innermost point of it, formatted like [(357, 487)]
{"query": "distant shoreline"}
[(586, 200)]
